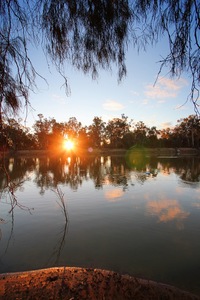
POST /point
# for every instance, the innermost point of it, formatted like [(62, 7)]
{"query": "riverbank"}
[(104, 151), (79, 283)]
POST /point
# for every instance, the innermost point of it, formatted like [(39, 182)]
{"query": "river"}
[(134, 214)]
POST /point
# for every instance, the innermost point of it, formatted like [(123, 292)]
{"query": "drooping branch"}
[(94, 34), (89, 34)]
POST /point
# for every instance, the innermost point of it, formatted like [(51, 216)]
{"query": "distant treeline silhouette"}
[(117, 133)]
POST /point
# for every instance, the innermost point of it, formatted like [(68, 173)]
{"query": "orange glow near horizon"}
[(68, 145)]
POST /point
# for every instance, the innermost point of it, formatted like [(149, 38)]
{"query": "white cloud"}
[(59, 99), (164, 88), (112, 105), (166, 125)]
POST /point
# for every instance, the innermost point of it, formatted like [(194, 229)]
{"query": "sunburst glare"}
[(68, 145)]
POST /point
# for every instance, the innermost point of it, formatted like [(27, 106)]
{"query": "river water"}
[(133, 214)]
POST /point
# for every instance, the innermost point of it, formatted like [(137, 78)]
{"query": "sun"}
[(68, 145)]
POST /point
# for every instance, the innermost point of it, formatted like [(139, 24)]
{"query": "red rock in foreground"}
[(79, 283)]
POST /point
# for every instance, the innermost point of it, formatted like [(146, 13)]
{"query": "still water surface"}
[(136, 215)]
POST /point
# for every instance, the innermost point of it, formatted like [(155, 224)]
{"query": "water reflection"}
[(115, 214), (167, 210), (49, 172), (54, 257), (11, 232), (114, 194), (120, 172)]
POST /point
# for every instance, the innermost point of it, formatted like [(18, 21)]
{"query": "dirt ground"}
[(79, 284)]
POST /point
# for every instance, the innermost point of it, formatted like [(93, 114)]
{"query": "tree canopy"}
[(118, 133), (91, 35)]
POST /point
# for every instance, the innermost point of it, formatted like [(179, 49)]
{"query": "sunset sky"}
[(137, 97)]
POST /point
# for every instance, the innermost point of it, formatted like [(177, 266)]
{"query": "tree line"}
[(117, 133)]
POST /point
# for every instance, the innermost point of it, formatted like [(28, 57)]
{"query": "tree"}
[(17, 74), (152, 136), (140, 132), (43, 131), (97, 132), (83, 139), (165, 137), (57, 135), (15, 136), (91, 35), (189, 129), (72, 128), (9, 92), (116, 130)]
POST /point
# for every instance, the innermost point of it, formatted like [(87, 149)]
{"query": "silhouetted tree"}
[(72, 128), (165, 137), (83, 140), (152, 136), (140, 132), (189, 130), (116, 133), (116, 129), (43, 131), (15, 136), (96, 132)]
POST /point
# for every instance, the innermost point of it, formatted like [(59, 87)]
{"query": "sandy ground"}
[(79, 283)]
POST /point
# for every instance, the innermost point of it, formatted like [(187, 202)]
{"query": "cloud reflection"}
[(196, 204), (113, 195), (167, 210)]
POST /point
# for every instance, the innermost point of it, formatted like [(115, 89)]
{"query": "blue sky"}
[(137, 97)]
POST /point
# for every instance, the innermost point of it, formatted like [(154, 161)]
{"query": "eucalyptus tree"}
[(72, 128), (140, 131), (57, 135), (83, 139), (15, 136), (152, 136), (96, 132), (165, 133), (43, 131), (189, 130), (116, 130), (91, 35)]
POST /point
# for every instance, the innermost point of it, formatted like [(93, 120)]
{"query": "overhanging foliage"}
[(91, 35)]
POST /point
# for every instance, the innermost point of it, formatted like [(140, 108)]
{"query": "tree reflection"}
[(11, 232), (191, 172), (9, 186), (12, 177), (52, 172), (49, 172), (55, 256)]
